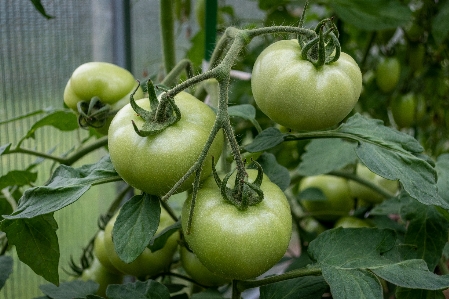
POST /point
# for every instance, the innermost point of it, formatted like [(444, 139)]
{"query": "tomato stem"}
[(167, 23)]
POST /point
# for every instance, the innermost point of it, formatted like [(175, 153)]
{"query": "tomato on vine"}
[(102, 82), (147, 263), (388, 72), (234, 243), (295, 93), (155, 163)]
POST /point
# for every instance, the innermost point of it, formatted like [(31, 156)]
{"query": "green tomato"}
[(238, 244), (294, 93), (338, 200), (198, 272), (101, 253), (403, 109), (367, 194), (387, 74), (99, 274), (350, 221), (112, 84), (147, 263), (155, 163)]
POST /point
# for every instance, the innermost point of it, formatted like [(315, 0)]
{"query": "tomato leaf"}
[(63, 120), (388, 152), (372, 15), (72, 289), (277, 173), (357, 283), (138, 290), (311, 287), (17, 178), (326, 155), (404, 293), (440, 25), (5, 148), (6, 263), (135, 226), (267, 139), (40, 8), (208, 294), (158, 241), (36, 244), (342, 253), (442, 169), (65, 186)]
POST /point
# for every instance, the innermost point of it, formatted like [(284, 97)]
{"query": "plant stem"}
[(167, 22), (171, 77)]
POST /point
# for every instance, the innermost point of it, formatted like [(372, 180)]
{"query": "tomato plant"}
[(148, 263), (111, 84), (337, 199), (388, 72), (294, 93), (198, 272), (158, 162), (238, 244)]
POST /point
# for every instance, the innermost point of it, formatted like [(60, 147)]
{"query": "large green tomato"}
[(238, 244), (294, 93), (408, 109), (338, 197), (198, 272), (147, 263), (112, 84), (387, 74), (100, 252), (155, 163), (367, 194), (99, 274)]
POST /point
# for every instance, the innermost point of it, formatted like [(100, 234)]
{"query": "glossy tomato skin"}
[(388, 72), (294, 93), (403, 109), (155, 163), (148, 263), (338, 197), (100, 252), (238, 244), (198, 272), (367, 194), (99, 274)]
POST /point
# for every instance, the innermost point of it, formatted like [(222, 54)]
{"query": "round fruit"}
[(238, 244), (155, 163), (296, 94), (387, 74), (350, 221), (148, 263), (99, 274), (198, 272), (101, 253), (337, 202), (367, 194)]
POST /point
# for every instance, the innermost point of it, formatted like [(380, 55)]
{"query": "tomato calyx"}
[(163, 114), (244, 193), (93, 113), (322, 47)]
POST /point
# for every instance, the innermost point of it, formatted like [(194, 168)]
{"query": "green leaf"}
[(6, 263), (412, 274), (440, 23), (442, 169), (404, 293), (63, 120), (5, 148), (267, 139), (312, 194), (352, 283), (277, 173), (373, 14), (326, 155), (138, 290), (245, 111), (40, 8), (311, 287), (36, 244), (388, 152), (208, 294), (17, 178), (65, 186), (135, 226), (72, 289), (426, 232), (158, 242)]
